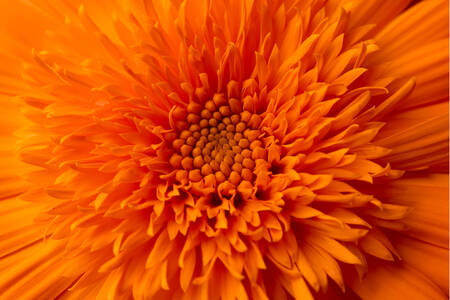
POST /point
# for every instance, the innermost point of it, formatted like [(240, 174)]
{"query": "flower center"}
[(219, 139)]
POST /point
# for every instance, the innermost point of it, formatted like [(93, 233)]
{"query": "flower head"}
[(225, 150)]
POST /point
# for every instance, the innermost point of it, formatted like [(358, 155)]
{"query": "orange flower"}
[(224, 149)]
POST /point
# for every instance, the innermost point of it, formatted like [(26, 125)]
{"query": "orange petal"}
[(424, 257), (404, 282), (427, 196), (418, 146)]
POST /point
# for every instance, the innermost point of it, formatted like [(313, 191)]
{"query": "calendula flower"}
[(242, 149)]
